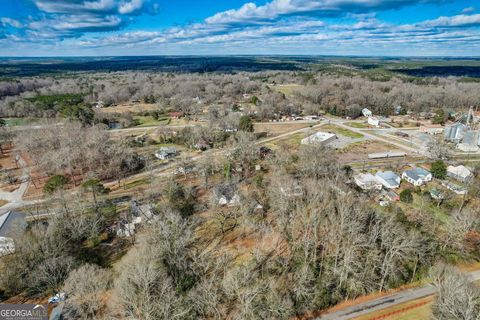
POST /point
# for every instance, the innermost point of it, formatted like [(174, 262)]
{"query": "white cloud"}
[(251, 13), (454, 21), (468, 10), (11, 22)]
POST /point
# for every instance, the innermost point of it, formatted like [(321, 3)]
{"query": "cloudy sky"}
[(221, 27)]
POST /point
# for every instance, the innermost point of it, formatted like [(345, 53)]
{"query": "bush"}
[(55, 183), (439, 169), (406, 196), (246, 124)]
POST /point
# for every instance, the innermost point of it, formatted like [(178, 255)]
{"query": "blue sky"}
[(222, 27)]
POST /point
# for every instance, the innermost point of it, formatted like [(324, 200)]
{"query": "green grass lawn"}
[(438, 213), (342, 131), (358, 125), (12, 122), (148, 121), (136, 183)]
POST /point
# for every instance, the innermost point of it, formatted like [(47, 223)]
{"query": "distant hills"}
[(414, 67)]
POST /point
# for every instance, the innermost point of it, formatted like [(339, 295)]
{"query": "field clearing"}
[(12, 122), (344, 132), (358, 125), (277, 128), (287, 89), (149, 121), (359, 151), (130, 108), (413, 310)]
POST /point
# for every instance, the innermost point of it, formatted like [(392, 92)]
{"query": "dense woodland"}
[(315, 240), (71, 96)]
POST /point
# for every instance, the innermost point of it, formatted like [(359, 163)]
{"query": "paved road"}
[(387, 301), (364, 132), (15, 198), (170, 167)]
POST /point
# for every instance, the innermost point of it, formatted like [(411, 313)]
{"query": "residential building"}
[(319, 138), (367, 181), (12, 225), (417, 176), (399, 110), (432, 129), (366, 112), (436, 194), (392, 196), (455, 132), (388, 179), (454, 187), (165, 153), (460, 173), (373, 121)]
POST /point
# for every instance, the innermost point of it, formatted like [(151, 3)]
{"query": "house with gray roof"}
[(417, 176), (388, 179), (460, 173), (12, 225), (367, 181), (165, 153)]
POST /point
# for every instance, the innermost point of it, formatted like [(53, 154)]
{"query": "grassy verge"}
[(148, 121), (413, 310), (342, 131), (358, 125)]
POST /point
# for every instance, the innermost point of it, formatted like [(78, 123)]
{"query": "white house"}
[(165, 153), (388, 179), (460, 173), (366, 112), (319, 138), (373, 121), (417, 176), (367, 181)]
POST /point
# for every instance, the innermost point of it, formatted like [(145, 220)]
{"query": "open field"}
[(358, 125), (342, 131), (149, 121), (130, 108), (277, 128), (12, 122), (287, 89)]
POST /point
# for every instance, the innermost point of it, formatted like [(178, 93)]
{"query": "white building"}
[(388, 179), (319, 138), (165, 153), (366, 112), (367, 181), (373, 121), (460, 173), (417, 176)]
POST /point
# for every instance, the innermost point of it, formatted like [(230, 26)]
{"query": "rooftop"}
[(318, 137), (461, 171), (417, 173)]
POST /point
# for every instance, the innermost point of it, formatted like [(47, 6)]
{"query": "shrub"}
[(406, 196), (55, 183), (439, 169)]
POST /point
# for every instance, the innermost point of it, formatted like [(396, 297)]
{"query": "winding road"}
[(388, 301)]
